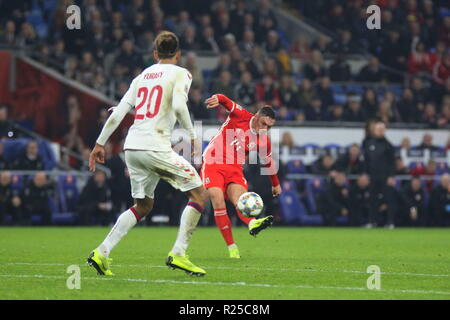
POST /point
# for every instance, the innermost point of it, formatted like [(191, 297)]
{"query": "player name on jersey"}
[(153, 75)]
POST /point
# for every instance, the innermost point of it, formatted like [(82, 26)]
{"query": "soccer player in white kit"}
[(159, 96)]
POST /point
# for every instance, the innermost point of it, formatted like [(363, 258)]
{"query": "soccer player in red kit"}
[(224, 157)]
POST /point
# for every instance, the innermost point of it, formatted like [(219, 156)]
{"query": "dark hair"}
[(267, 111), (166, 44)]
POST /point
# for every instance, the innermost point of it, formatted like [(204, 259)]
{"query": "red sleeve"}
[(226, 102), (267, 162)]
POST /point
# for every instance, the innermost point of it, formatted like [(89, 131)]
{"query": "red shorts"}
[(221, 175)]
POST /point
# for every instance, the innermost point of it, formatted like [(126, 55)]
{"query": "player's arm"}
[(266, 159), (179, 101), (221, 99), (116, 117)]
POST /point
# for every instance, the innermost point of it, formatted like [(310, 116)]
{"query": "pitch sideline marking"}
[(163, 281), (246, 268)]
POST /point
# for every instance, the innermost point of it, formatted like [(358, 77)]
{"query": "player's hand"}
[(97, 155), (196, 148), (276, 191), (212, 102)]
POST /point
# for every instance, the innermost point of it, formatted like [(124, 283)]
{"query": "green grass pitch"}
[(281, 263)]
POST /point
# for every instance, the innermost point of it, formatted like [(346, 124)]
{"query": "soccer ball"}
[(250, 204)]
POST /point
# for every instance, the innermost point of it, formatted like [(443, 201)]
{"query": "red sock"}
[(224, 225), (244, 219)]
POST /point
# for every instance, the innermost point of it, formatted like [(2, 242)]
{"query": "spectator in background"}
[(96, 202), (196, 105), (3, 163), (9, 35), (407, 107), (400, 167), (191, 64), (427, 143), (267, 92), (223, 84), (94, 132), (305, 94), (351, 162), (30, 159), (439, 208), (36, 198), (315, 111), (359, 200), (120, 179), (10, 202), (369, 104), (287, 91), (128, 57), (379, 158), (336, 113), (353, 111), (7, 129), (323, 166), (315, 68), (419, 62), (245, 90), (300, 48), (444, 117), (340, 69), (335, 200), (189, 40), (324, 91), (385, 112), (371, 72), (415, 213), (430, 116), (208, 41)]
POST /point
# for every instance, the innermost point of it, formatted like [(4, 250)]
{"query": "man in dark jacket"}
[(10, 202), (439, 208), (36, 197), (379, 157), (3, 162), (335, 200), (95, 201), (415, 213), (31, 159), (359, 200), (351, 162)]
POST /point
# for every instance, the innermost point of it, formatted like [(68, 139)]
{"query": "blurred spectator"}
[(439, 209), (427, 143), (36, 199), (340, 69), (208, 41), (287, 140), (245, 90), (419, 62), (336, 113), (385, 112), (8, 36), (191, 64), (359, 201), (323, 166), (407, 107), (30, 159), (196, 105), (379, 157), (128, 57), (353, 112), (415, 213), (10, 202), (267, 92), (315, 111), (189, 40), (369, 103), (315, 68), (371, 72), (324, 91), (335, 202), (441, 70), (351, 162), (95, 204), (7, 129), (300, 48), (223, 85), (94, 132), (400, 167), (305, 94), (120, 179), (287, 91), (3, 163)]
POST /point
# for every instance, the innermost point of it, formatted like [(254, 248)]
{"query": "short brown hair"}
[(166, 44)]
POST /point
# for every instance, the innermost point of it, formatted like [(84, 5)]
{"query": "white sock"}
[(232, 246), (188, 223), (124, 223)]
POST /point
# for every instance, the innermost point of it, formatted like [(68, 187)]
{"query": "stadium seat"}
[(13, 148), (294, 212), (296, 166), (313, 186), (68, 193), (416, 164), (441, 168)]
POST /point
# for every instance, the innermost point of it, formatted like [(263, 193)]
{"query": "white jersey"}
[(158, 95)]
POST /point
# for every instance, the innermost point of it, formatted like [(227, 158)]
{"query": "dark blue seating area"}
[(13, 148)]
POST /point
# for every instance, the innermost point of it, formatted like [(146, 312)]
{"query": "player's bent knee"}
[(198, 195)]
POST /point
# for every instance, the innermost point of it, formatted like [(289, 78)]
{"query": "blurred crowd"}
[(255, 64)]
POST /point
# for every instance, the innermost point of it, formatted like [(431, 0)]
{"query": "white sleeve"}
[(126, 104), (179, 98)]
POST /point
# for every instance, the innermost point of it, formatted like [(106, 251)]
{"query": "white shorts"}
[(147, 167)]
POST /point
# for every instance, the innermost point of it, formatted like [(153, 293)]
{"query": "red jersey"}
[(236, 139)]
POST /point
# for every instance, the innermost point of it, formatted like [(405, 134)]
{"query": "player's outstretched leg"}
[(223, 221), (177, 258), (99, 257), (255, 226)]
